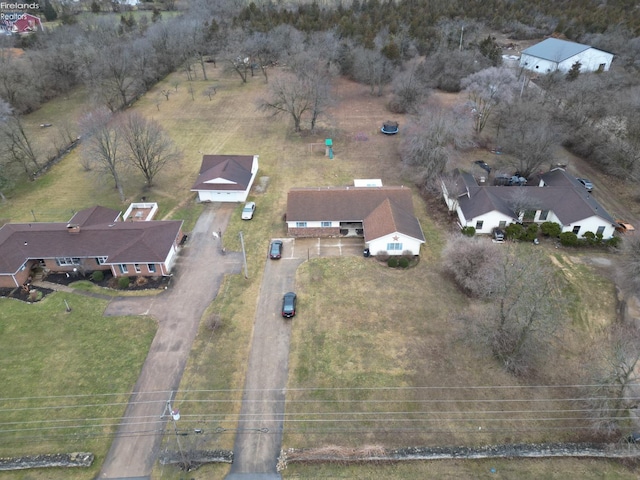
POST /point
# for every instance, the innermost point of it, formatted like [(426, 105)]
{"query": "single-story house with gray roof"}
[(93, 239), (558, 198), (383, 216), (226, 178), (554, 54)]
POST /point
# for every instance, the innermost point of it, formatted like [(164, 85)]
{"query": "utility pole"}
[(461, 34), (175, 416), (244, 257)]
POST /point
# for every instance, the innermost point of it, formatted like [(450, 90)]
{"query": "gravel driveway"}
[(178, 312)]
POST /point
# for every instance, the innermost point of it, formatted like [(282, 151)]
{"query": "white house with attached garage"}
[(554, 54), (226, 178), (558, 198), (383, 216)]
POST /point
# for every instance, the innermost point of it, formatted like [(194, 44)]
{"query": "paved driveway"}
[(259, 430)]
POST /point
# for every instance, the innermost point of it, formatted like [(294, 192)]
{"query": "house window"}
[(600, 232), (326, 224), (123, 268), (479, 224), (576, 229), (137, 267), (544, 214), (151, 267), (502, 224), (301, 224), (101, 260), (67, 261), (394, 246)]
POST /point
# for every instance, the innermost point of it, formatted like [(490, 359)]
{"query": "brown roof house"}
[(93, 239), (383, 216), (558, 197), (226, 178)]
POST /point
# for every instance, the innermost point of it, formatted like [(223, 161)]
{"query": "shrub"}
[(514, 231), (589, 238), (530, 233), (403, 262), (392, 262), (569, 239), (551, 229), (123, 282), (382, 255), (469, 231), (97, 276), (613, 242)]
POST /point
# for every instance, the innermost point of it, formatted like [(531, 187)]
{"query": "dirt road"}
[(198, 275)]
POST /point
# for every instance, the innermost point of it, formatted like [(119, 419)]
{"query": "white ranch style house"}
[(383, 216), (559, 198)]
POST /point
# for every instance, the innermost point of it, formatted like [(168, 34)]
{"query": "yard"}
[(377, 356)]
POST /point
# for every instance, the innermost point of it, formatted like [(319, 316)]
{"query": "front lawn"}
[(66, 376)]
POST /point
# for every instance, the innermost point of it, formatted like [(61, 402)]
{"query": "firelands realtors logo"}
[(12, 19)]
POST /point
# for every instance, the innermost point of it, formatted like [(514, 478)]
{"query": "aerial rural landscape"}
[(319, 239)]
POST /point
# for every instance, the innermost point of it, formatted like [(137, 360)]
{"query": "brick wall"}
[(314, 232)]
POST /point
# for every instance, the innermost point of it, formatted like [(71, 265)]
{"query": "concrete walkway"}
[(199, 272)]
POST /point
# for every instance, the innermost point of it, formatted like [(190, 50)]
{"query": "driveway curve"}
[(199, 272)]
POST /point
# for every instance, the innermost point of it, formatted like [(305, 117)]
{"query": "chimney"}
[(71, 228)]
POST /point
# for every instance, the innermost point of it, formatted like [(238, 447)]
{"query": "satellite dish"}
[(175, 414)]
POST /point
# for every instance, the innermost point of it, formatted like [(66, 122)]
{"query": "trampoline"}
[(389, 128)]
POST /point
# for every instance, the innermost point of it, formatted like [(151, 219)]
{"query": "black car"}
[(483, 165), (275, 251), (289, 305)]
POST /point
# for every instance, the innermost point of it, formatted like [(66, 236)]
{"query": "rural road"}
[(199, 272)]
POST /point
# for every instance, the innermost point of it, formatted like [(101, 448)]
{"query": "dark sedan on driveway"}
[(289, 305), (275, 250)]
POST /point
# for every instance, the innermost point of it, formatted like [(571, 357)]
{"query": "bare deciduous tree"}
[(409, 92), (103, 145), (471, 261), (15, 145), (372, 68), (149, 147), (431, 140), (614, 394), (486, 90)]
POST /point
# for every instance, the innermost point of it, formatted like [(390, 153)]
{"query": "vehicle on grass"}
[(247, 211), (289, 305), (498, 235), (483, 165), (275, 250), (586, 183), (624, 227)]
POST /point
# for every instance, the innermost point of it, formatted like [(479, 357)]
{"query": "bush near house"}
[(403, 262), (97, 276), (469, 231), (123, 282), (569, 239), (514, 231), (392, 262), (551, 229)]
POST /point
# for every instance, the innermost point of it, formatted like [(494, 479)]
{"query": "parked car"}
[(624, 227), (498, 235), (483, 165), (247, 211), (275, 250), (289, 305), (586, 183)]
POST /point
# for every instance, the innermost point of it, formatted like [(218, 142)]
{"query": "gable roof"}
[(388, 218), (95, 216), (120, 242), (384, 209), (562, 194), (555, 50), (224, 172)]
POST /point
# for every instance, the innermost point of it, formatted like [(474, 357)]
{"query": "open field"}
[(369, 342)]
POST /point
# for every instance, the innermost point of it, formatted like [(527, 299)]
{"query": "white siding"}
[(591, 59), (222, 196), (408, 243), (591, 224)]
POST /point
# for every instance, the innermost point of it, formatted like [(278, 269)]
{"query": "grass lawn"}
[(66, 377)]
